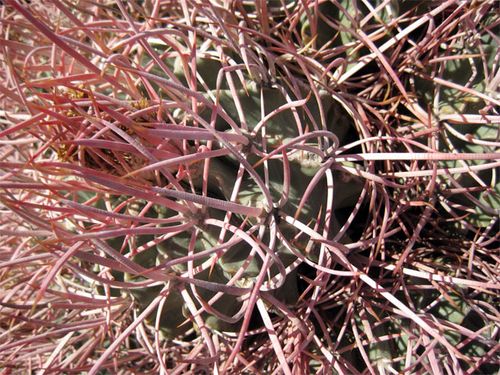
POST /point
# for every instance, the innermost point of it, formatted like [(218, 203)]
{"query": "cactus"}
[(239, 186)]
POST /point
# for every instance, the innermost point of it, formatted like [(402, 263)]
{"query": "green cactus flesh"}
[(303, 166)]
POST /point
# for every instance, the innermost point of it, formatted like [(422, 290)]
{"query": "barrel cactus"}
[(239, 186)]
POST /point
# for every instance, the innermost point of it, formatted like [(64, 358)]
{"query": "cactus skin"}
[(302, 166)]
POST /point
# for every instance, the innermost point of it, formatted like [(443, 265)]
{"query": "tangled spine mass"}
[(239, 185)]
